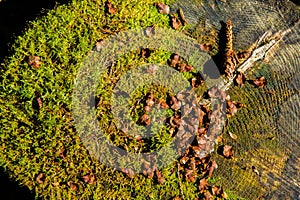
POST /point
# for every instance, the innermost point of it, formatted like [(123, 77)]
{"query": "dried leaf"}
[(232, 135), (34, 61), (224, 195), (219, 192), (219, 139), (202, 131), (232, 108), (100, 102), (110, 8), (184, 160), (201, 117), (138, 137), (175, 23), (240, 79), (184, 67), (40, 179), (73, 186), (163, 104), (177, 198), (162, 8), (196, 150), (216, 190), (192, 163), (172, 131), (260, 82)]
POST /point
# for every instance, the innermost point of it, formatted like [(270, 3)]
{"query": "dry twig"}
[(263, 47)]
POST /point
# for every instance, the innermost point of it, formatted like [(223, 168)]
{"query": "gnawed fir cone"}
[(159, 177), (150, 100), (227, 151), (110, 8), (174, 103), (152, 69), (174, 60), (260, 82), (89, 179), (145, 53), (175, 23), (203, 185), (40, 179), (73, 186), (148, 170), (182, 17), (34, 61), (240, 79), (162, 8), (129, 172), (99, 44), (150, 31), (145, 119)]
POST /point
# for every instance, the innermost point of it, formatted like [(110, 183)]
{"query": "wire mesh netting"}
[(268, 128)]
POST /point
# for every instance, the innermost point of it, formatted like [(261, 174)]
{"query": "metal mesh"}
[(277, 106)]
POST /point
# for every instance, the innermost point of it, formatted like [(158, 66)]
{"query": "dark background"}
[(14, 15)]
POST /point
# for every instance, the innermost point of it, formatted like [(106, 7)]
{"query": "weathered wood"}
[(264, 45)]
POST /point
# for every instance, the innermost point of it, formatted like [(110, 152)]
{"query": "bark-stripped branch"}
[(264, 45)]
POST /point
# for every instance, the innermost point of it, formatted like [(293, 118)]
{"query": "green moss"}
[(31, 138)]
